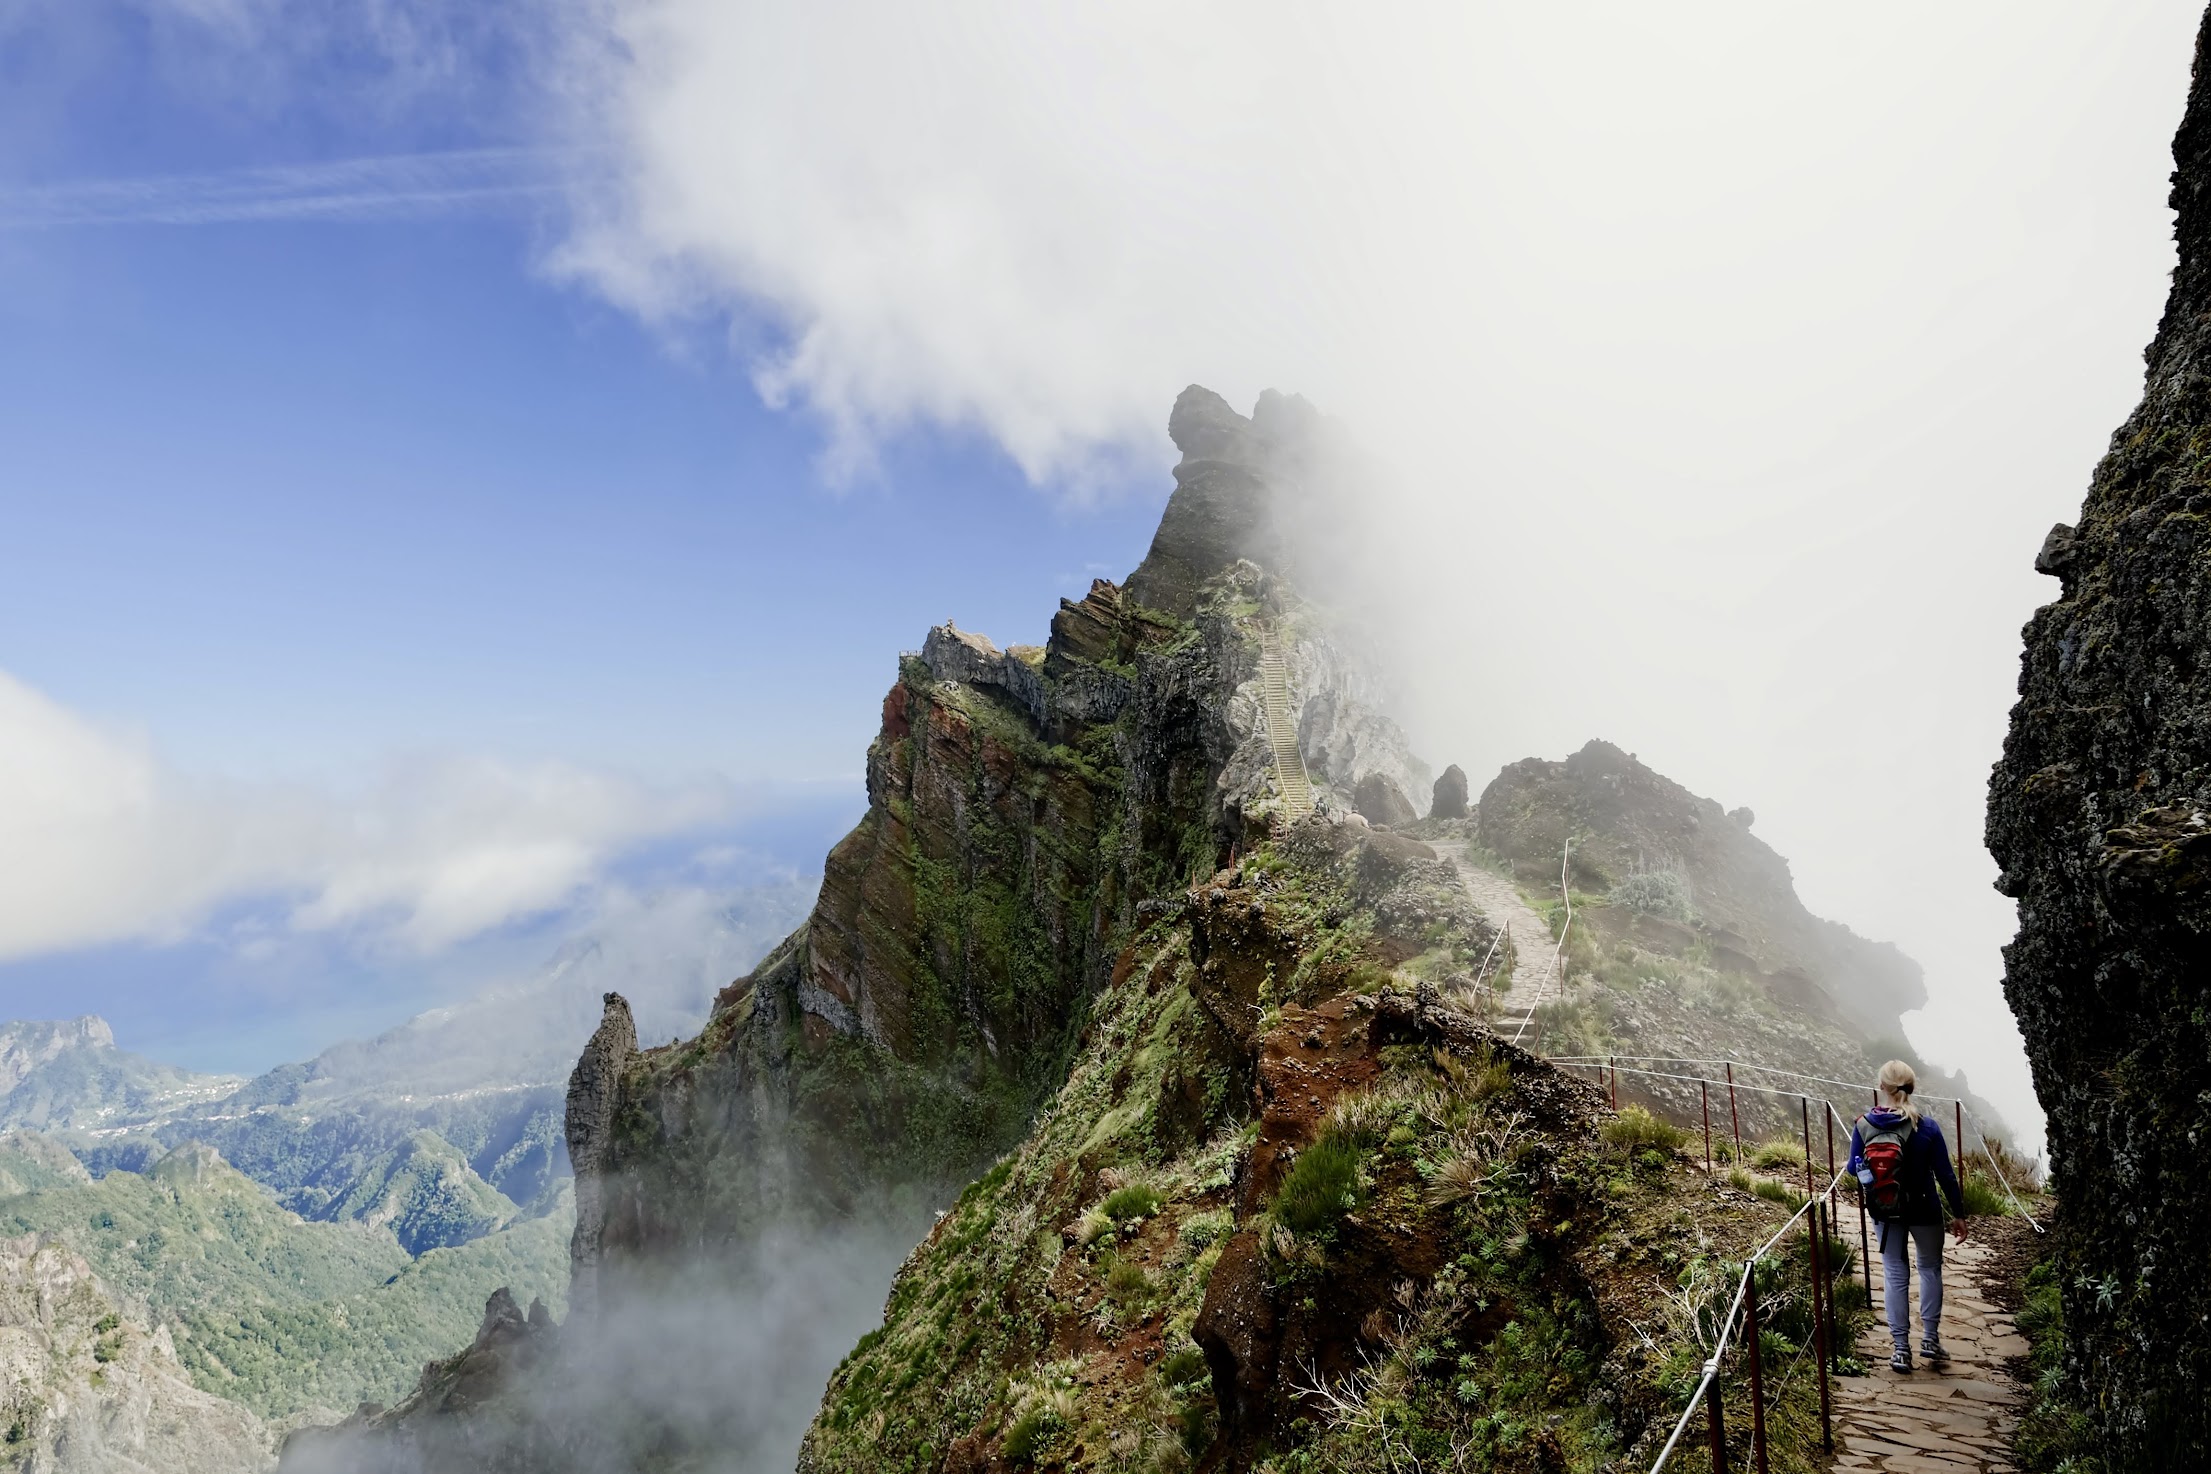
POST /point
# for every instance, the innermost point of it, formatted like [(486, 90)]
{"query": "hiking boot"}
[(1935, 1356), (1901, 1361)]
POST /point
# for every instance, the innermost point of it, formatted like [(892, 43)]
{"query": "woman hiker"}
[(1899, 1156)]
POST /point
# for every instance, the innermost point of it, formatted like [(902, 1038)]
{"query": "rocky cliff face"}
[(2100, 815), (1022, 802), (86, 1388)]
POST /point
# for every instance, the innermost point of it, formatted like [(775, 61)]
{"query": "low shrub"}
[(1637, 1129), (1656, 893), (1183, 1364), (1022, 1437), (1137, 1200), (1322, 1186), (1775, 1153), (1984, 1199)]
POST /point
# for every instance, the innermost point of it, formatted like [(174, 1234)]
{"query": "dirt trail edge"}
[(1955, 1421), (1533, 981)]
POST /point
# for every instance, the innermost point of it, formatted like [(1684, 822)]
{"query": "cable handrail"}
[(1604, 1061), (1685, 1059)]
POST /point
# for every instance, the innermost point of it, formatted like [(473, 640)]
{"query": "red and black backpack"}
[(1883, 1150)]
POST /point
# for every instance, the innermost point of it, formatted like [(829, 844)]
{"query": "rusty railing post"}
[(1613, 1065), (1819, 1324), (1804, 1102), (1734, 1115), (1714, 1424), (1757, 1369), (1961, 1148), (1704, 1092)]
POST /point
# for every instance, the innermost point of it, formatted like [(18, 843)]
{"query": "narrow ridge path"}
[(1289, 764), (1955, 1421), (1533, 981)]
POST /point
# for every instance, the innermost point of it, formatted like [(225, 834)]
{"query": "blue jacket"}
[(1926, 1163)]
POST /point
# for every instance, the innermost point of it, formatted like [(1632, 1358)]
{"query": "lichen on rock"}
[(2096, 816)]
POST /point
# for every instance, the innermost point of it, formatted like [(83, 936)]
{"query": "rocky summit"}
[(1614, 825), (2100, 816)]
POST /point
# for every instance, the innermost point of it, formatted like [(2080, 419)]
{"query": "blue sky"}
[(289, 499)]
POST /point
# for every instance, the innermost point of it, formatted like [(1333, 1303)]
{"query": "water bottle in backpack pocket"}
[(1882, 1148)]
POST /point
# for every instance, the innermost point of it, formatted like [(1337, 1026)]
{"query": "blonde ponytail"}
[(1896, 1082)]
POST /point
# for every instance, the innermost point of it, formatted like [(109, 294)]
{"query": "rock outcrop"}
[(594, 1098), (477, 1412), (1624, 819), (87, 1388), (1448, 801), (1288, 1183), (1379, 801), (2100, 817)]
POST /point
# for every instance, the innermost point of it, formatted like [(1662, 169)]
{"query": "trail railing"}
[(1819, 1207), (1612, 1066)]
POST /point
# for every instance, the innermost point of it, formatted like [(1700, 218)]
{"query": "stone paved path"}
[(1956, 1421), (1533, 981)]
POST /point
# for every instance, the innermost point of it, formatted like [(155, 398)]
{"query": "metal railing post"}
[(1757, 1370), (1805, 1103), (1734, 1115), (1715, 1424), (1961, 1148), (1819, 1325), (1830, 1110), (1704, 1092), (1614, 1063)]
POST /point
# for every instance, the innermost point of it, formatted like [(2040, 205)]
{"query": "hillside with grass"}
[(281, 1315), (1377, 1235)]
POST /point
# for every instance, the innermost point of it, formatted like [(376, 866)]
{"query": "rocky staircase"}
[(1289, 764)]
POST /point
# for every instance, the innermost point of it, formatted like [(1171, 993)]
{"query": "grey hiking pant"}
[(1896, 1269)]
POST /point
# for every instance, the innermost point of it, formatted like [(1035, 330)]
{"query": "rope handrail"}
[(1727, 1326), (1558, 953)]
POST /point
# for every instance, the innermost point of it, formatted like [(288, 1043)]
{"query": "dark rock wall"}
[(2098, 817)]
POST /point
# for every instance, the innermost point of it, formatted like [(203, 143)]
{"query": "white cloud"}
[(100, 842), (383, 188)]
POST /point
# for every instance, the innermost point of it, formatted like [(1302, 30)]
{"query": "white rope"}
[(1558, 955), (1990, 1158), (1727, 1327)]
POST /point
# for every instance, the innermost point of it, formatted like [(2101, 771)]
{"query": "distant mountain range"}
[(307, 1239), (68, 1075), (443, 1129)]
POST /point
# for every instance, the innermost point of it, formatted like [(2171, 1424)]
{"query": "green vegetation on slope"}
[(280, 1314), (1443, 1248)]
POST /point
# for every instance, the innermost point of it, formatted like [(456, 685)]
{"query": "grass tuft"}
[(1137, 1200), (1636, 1129), (1322, 1186)]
